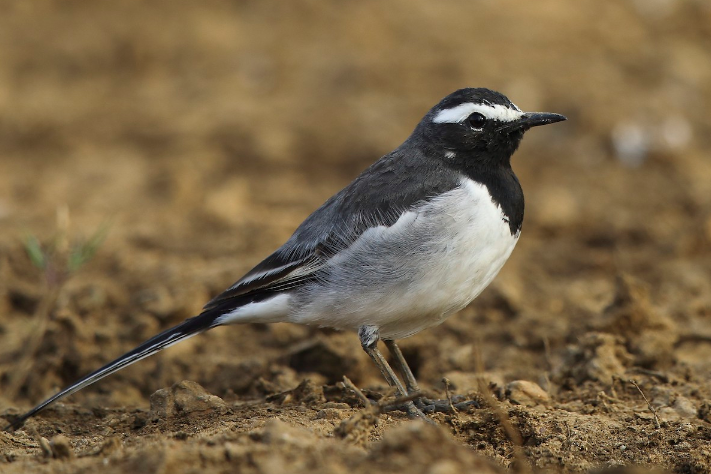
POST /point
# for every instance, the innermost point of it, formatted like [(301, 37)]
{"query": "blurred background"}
[(205, 132)]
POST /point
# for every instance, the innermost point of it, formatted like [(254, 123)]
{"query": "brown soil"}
[(206, 131)]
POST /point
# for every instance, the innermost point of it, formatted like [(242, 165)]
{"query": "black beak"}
[(534, 119)]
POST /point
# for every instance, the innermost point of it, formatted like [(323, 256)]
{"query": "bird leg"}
[(402, 366), (369, 338), (424, 404)]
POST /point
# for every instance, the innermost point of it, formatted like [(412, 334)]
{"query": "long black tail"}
[(190, 327)]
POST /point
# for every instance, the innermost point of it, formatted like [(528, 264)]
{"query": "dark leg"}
[(369, 341), (401, 363), (424, 404)]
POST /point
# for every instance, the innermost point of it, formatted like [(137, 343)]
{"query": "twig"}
[(446, 382), (397, 401), (651, 408), (381, 406), (601, 397), (652, 373), (604, 396), (692, 337), (347, 382), (357, 427), (547, 352)]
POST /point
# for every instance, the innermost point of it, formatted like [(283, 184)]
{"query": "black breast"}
[(493, 170), (506, 191)]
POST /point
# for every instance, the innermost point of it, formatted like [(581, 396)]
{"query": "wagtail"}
[(413, 239)]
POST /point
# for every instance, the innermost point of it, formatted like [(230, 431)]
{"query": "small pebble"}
[(523, 392), (61, 449)]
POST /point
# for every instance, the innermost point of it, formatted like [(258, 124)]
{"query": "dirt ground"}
[(200, 134)]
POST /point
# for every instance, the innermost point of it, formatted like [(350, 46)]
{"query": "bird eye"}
[(476, 120)]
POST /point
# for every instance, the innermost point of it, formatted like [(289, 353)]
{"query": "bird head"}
[(479, 124)]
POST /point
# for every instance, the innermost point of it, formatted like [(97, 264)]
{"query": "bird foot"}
[(423, 406), (450, 405), (413, 411)]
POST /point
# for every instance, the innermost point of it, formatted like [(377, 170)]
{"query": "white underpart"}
[(449, 154), (273, 310), (410, 276), (459, 113)]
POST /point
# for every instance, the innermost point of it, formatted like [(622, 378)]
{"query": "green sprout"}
[(60, 260)]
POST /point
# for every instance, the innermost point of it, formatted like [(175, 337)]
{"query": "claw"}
[(443, 406), (411, 409), (457, 402), (424, 406)]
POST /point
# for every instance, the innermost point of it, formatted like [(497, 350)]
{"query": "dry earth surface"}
[(204, 132)]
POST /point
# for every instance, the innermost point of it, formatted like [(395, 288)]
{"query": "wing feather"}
[(378, 197)]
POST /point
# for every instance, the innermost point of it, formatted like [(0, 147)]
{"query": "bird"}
[(413, 239)]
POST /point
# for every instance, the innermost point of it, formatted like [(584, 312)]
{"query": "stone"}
[(523, 392), (183, 397)]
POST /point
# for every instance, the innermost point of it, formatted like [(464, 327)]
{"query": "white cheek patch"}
[(496, 112)]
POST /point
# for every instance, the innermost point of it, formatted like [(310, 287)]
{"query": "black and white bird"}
[(413, 239)]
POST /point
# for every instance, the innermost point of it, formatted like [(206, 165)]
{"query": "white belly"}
[(404, 278)]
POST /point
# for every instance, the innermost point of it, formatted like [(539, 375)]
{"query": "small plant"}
[(59, 261)]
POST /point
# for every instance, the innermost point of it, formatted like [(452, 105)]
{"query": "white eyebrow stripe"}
[(493, 112)]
